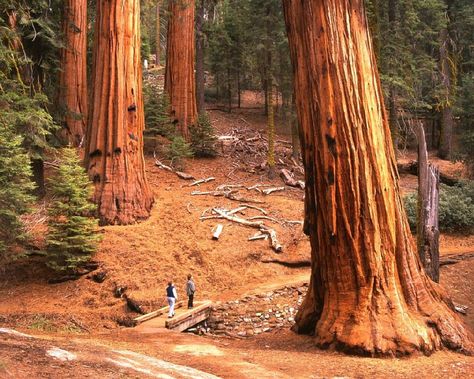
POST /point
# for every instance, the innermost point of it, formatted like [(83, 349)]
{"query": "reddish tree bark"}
[(368, 292), (73, 76), (179, 73), (114, 149)]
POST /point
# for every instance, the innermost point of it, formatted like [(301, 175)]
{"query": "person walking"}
[(190, 289), (172, 297)]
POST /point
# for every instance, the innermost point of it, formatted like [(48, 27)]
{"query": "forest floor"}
[(84, 316)]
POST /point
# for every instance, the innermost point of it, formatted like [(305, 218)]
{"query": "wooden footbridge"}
[(184, 318)]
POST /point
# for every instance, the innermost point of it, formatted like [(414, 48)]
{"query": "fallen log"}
[(290, 264), (216, 231), (455, 258), (412, 169)]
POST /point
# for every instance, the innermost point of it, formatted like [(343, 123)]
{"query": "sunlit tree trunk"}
[(179, 73), (200, 56), (73, 77), (114, 148), (368, 292)]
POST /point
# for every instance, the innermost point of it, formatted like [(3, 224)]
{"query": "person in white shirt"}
[(172, 297)]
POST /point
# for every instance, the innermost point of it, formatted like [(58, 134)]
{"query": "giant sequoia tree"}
[(368, 292), (114, 150), (73, 77), (179, 73)]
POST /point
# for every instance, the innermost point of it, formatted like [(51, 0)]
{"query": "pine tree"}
[(203, 137), (72, 231), (15, 185)]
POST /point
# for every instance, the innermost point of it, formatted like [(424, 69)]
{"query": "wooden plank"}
[(191, 318), (157, 313)]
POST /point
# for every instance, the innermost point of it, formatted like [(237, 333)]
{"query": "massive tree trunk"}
[(200, 56), (368, 292), (179, 73), (73, 77), (114, 148)]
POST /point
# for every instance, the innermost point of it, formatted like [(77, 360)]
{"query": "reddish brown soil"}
[(173, 243)]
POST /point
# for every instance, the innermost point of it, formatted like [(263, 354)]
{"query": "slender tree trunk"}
[(428, 205), (158, 33), (200, 57), (179, 77), (271, 132), (447, 118), (73, 77), (368, 292), (229, 91), (239, 91), (295, 140), (114, 148)]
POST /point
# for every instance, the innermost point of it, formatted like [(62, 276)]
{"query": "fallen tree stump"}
[(217, 230)]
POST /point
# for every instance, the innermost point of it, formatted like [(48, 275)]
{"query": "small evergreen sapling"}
[(203, 138), (15, 186), (72, 230)]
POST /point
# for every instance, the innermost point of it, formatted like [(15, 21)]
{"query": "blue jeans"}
[(171, 302)]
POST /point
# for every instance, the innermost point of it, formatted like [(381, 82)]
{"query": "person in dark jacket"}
[(190, 289), (172, 297)]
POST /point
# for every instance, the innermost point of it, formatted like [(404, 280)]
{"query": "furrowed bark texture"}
[(368, 293), (73, 77), (179, 73), (114, 148), (158, 33)]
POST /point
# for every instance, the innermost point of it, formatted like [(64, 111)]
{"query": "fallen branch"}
[(238, 220), (256, 208), (183, 175), (197, 182), (289, 180), (273, 237), (258, 236), (455, 258), (271, 190)]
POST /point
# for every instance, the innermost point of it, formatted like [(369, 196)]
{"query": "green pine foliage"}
[(15, 186), (157, 118), (72, 230), (178, 151), (203, 138)]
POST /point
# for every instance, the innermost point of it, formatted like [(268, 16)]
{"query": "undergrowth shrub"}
[(72, 228), (157, 118), (178, 150), (203, 138), (456, 208)]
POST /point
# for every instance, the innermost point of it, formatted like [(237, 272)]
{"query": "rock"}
[(265, 330), (257, 331), (242, 334)]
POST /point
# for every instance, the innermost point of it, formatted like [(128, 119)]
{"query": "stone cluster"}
[(256, 314)]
